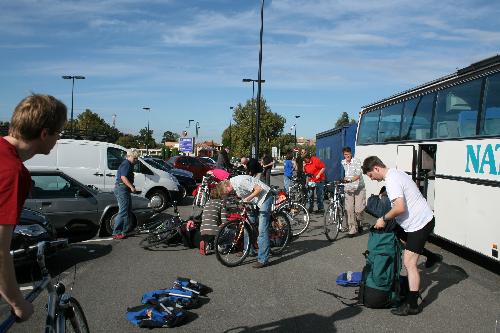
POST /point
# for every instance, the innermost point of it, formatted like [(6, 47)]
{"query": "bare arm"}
[(256, 190), (397, 209), (9, 288), (128, 183)]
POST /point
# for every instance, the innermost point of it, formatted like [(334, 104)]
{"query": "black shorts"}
[(415, 241)]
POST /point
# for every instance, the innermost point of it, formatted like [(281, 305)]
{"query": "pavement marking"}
[(97, 240), (26, 288)]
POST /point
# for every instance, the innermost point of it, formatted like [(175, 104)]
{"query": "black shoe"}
[(351, 235), (360, 230), (432, 260), (405, 310)]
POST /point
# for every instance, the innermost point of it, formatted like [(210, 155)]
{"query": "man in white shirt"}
[(253, 190), (414, 216), (355, 194)]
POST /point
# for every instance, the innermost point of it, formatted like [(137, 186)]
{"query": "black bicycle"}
[(64, 313), (235, 237)]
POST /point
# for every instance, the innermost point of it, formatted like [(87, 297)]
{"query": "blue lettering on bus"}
[(478, 160)]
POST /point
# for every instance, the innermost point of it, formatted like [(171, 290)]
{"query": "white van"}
[(95, 163)]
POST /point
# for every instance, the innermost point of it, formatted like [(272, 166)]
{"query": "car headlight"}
[(31, 230)]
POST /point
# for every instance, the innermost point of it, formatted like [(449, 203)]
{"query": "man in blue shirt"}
[(123, 187)]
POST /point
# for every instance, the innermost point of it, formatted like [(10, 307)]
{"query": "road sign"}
[(186, 145)]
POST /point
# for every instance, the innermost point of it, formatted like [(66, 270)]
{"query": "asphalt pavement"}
[(295, 293)]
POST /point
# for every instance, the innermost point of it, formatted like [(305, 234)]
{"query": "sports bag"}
[(155, 314), (378, 205), (380, 282), (349, 279), (181, 298)]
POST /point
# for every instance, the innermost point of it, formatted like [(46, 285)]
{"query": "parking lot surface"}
[(296, 293)]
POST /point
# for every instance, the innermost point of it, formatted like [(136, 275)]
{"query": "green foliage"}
[(144, 138), (128, 141), (175, 152), (241, 138), (169, 136), (344, 120)]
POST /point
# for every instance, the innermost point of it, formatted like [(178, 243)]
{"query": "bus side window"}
[(368, 127), (490, 122)]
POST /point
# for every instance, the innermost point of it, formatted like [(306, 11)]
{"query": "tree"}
[(128, 141), (144, 136), (271, 127), (90, 125), (343, 120), (169, 136)]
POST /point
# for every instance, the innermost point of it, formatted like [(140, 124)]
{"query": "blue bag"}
[(155, 314), (349, 279), (191, 285), (181, 298)]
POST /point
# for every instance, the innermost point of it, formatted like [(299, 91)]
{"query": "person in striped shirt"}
[(214, 214)]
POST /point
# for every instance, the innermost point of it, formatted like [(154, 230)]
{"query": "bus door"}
[(405, 159), (426, 171)]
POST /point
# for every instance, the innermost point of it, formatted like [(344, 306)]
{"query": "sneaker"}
[(405, 310), (202, 248), (258, 264), (119, 236), (432, 260)]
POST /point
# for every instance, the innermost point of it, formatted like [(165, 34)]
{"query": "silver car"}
[(78, 210)]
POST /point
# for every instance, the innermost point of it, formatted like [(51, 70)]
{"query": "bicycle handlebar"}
[(43, 245)]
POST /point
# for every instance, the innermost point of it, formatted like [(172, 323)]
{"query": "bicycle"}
[(64, 312), (203, 194), (172, 230), (298, 190), (232, 243), (335, 213), (299, 216)]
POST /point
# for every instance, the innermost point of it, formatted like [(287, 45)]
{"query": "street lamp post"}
[(295, 127), (253, 106), (147, 134), (72, 77), (230, 139)]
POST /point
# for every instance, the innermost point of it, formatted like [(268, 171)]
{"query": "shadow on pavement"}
[(63, 260), (310, 322), (439, 279), (300, 246)]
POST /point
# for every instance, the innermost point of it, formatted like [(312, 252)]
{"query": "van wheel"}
[(109, 223), (162, 196)]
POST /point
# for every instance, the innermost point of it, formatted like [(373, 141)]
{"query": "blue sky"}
[(185, 59)]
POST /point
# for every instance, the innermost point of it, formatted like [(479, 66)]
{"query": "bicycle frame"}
[(58, 300)]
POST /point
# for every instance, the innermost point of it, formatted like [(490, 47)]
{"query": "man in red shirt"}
[(316, 168), (35, 127)]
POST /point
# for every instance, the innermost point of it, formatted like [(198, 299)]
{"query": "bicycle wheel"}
[(229, 243), (279, 232), (74, 318), (299, 217), (157, 239), (333, 221)]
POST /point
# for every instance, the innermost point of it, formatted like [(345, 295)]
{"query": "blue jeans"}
[(122, 193), (286, 182), (263, 238), (320, 193)]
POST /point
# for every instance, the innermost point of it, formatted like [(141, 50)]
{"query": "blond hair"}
[(36, 112), (132, 152)]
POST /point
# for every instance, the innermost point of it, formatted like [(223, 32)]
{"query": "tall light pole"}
[(230, 139), (253, 106), (259, 81), (295, 126), (73, 78), (147, 134)]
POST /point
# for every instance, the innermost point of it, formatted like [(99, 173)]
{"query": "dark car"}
[(184, 177), (190, 163), (75, 210), (33, 227)]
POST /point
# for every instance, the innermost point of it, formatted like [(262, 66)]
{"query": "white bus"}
[(446, 135)]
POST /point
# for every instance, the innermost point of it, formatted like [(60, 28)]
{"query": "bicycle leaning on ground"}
[(238, 234), (335, 213), (64, 313)]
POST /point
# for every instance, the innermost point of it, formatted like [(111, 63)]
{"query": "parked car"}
[(184, 177), (190, 163), (95, 163), (208, 160), (33, 227), (76, 210)]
